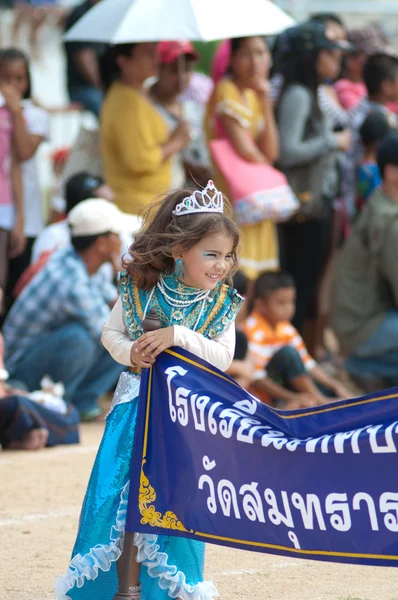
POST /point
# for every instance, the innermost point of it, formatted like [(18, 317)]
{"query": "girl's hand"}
[(262, 87), (151, 344), (18, 240), (303, 400), (137, 360), (343, 139), (12, 98), (341, 391), (182, 133)]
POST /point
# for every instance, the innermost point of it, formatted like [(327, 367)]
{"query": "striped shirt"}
[(330, 107), (265, 340)]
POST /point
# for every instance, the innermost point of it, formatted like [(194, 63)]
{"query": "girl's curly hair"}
[(152, 250)]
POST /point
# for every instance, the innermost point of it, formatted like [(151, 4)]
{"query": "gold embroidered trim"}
[(216, 308), (137, 300), (148, 511)]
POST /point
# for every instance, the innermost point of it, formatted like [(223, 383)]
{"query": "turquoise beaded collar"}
[(219, 311)]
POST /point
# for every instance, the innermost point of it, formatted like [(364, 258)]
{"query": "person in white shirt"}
[(79, 187), (84, 186)]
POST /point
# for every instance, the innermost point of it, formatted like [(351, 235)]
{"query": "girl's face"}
[(142, 64), (208, 262), (14, 73), (251, 61), (328, 64), (174, 78), (354, 64)]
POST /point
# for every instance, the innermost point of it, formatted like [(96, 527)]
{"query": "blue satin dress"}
[(171, 567)]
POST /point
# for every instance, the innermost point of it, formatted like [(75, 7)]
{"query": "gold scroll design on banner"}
[(150, 515)]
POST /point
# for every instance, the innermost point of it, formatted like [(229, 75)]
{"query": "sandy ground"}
[(40, 498)]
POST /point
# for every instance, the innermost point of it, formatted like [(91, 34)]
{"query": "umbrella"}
[(126, 21)]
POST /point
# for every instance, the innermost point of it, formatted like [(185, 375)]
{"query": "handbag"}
[(258, 191), (307, 183)]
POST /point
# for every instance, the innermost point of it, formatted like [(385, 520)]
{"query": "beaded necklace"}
[(164, 288)]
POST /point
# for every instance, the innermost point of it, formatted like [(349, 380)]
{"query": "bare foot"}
[(34, 440)]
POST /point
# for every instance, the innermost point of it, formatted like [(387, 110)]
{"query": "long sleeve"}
[(218, 352), (115, 336), (294, 111)]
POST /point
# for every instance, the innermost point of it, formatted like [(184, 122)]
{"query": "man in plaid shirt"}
[(55, 325)]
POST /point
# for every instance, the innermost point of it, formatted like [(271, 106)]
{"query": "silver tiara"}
[(207, 200)]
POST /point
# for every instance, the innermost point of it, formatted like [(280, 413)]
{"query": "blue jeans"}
[(377, 358), (90, 97), (286, 365), (70, 355)]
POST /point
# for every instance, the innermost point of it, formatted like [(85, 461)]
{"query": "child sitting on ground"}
[(26, 424), (284, 371), (373, 130)]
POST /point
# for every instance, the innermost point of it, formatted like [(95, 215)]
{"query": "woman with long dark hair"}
[(136, 144), (307, 57)]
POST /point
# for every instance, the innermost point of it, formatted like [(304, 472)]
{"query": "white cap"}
[(96, 216)]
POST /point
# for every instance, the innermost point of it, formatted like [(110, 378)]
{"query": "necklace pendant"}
[(178, 315)]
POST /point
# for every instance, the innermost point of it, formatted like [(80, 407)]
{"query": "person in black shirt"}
[(83, 69)]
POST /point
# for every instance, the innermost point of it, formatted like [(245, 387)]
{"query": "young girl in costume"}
[(178, 266)]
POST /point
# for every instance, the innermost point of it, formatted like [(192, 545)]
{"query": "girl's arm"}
[(219, 351), (275, 390), (115, 336), (18, 239), (26, 143), (241, 140), (177, 141), (117, 341), (320, 376), (268, 140), (294, 110), (242, 371)]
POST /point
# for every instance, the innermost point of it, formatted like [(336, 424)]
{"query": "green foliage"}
[(206, 52)]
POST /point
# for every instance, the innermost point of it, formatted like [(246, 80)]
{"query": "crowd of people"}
[(296, 131)]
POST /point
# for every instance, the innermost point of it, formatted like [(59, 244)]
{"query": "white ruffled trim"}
[(127, 389), (101, 557), (169, 578)]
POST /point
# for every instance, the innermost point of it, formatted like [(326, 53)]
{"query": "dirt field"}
[(40, 498)]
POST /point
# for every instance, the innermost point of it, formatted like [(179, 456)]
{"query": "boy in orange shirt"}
[(283, 368)]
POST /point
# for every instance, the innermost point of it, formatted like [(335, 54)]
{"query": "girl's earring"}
[(179, 270)]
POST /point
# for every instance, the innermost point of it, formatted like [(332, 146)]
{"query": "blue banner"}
[(211, 463)]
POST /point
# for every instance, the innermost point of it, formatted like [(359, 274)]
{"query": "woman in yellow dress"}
[(136, 144), (241, 110)]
